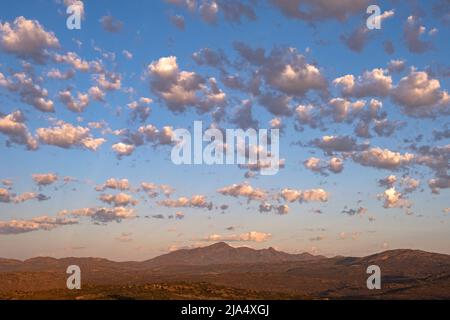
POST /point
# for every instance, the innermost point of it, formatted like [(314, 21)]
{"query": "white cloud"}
[(118, 200), (65, 135), (44, 179), (27, 39), (112, 183), (252, 236), (34, 224), (196, 201), (420, 95), (74, 105), (383, 158), (292, 195), (244, 190), (12, 125), (100, 214), (123, 149), (372, 83)]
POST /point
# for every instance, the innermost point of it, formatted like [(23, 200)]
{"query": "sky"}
[(88, 120)]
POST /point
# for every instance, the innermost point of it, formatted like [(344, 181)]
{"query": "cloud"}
[(243, 117), (77, 3), (331, 144), (209, 57), (102, 215), (65, 135), (123, 149), (178, 21), (109, 81), (383, 158), (74, 60), (293, 195), (116, 184), (243, 190), (305, 115), (208, 11), (34, 224), (44, 179), (409, 184), (276, 104), (152, 189), (439, 183), (268, 207), (181, 89), (351, 212), (420, 95), (118, 200), (282, 209), (252, 236), (319, 10), (72, 104), (111, 24), (27, 39), (7, 182), (145, 134), (372, 83), (96, 93), (140, 109), (5, 196), (394, 199), (436, 158), (358, 38), (127, 54), (57, 74), (287, 71), (233, 10), (397, 65), (283, 72), (335, 165), (196, 201), (13, 126), (412, 32), (29, 91), (345, 110), (388, 181), (26, 196), (262, 164)]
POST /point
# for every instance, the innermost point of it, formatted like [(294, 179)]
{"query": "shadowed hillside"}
[(232, 273)]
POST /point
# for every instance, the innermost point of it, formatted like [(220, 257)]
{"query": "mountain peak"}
[(223, 253), (219, 245)]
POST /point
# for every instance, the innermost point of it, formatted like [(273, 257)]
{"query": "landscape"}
[(224, 149), (220, 271)]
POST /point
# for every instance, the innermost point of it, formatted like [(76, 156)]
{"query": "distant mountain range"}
[(243, 271), (222, 253)]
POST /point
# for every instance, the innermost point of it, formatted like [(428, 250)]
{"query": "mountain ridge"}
[(211, 255)]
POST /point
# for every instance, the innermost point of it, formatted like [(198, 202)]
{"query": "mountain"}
[(232, 273), (222, 253)]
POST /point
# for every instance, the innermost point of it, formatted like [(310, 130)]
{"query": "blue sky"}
[(359, 215)]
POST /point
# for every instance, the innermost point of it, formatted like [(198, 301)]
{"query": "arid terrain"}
[(220, 271)]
